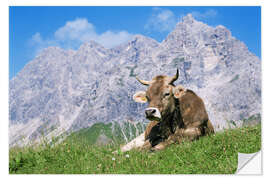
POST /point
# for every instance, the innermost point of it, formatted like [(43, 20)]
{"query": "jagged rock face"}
[(61, 91)]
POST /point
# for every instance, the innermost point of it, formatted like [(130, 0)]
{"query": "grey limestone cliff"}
[(65, 90)]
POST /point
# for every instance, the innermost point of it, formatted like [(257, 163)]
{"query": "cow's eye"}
[(166, 94)]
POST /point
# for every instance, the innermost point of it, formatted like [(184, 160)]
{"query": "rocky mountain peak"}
[(51, 50), (62, 91), (140, 41), (188, 19), (91, 46), (222, 32)]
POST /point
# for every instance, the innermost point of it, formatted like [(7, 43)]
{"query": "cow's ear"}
[(179, 91), (140, 97)]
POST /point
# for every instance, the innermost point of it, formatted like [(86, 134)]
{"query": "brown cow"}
[(175, 113)]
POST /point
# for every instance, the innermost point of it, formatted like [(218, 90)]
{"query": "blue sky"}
[(33, 28)]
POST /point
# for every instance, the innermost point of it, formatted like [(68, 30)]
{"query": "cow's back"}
[(192, 110)]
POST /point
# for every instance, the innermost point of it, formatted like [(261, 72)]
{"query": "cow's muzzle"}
[(152, 114)]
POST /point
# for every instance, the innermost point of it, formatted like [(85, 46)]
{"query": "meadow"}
[(214, 154)]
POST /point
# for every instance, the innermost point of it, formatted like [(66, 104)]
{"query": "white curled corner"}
[(249, 163)]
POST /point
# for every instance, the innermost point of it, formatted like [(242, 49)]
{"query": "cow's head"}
[(160, 95)]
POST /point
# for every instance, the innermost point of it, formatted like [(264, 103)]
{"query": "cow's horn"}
[(175, 77), (146, 83)]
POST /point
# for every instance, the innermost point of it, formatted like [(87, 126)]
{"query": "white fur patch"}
[(135, 143)]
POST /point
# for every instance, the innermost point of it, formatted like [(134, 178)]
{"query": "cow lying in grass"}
[(175, 113)]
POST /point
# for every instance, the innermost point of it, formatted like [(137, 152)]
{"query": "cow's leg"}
[(192, 133), (189, 133), (160, 146), (174, 138), (135, 143), (146, 146)]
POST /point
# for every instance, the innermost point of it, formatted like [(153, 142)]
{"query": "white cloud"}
[(211, 13), (76, 32), (79, 29), (111, 39), (164, 20), (161, 20), (39, 43)]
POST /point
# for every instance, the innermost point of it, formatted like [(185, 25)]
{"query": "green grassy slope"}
[(115, 133), (215, 154)]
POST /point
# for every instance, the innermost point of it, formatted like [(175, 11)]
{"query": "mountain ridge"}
[(66, 90)]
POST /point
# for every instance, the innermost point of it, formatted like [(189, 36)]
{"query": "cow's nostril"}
[(150, 112), (146, 113)]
